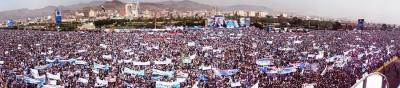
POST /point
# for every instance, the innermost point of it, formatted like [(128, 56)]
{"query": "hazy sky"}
[(387, 11)]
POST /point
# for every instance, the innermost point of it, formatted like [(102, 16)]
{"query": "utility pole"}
[(155, 19)]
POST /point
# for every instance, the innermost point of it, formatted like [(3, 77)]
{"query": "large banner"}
[(10, 23), (58, 17), (247, 22), (360, 25), (210, 22), (242, 22), (220, 20), (230, 24)]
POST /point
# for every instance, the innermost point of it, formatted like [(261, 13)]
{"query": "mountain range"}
[(185, 5)]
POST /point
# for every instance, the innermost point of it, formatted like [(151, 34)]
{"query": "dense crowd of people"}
[(218, 58)]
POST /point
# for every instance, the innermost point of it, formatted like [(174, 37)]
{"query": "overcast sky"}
[(387, 11)]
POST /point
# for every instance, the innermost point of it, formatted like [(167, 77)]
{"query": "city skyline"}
[(371, 10)]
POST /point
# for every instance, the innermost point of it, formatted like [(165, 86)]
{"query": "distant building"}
[(2, 25), (262, 14), (92, 13), (131, 10), (251, 13), (147, 14), (79, 14), (284, 15), (241, 13)]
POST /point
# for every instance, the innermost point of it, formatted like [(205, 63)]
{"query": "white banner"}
[(100, 66), (202, 67), (167, 61), (141, 63), (81, 51), (263, 62), (107, 57), (164, 73), (206, 48), (53, 86), (80, 62), (49, 60), (130, 71), (160, 84)]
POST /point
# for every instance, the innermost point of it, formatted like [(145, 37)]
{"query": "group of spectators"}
[(213, 58)]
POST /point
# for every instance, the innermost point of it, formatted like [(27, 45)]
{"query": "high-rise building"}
[(131, 10)]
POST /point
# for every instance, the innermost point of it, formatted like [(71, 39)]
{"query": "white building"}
[(147, 14), (2, 25), (284, 15), (241, 13), (92, 13), (131, 10), (262, 14), (251, 13), (79, 14)]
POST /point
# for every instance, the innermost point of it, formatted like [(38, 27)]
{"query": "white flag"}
[(255, 85), (323, 72)]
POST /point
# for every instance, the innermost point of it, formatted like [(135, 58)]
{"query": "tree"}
[(337, 26), (384, 27)]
